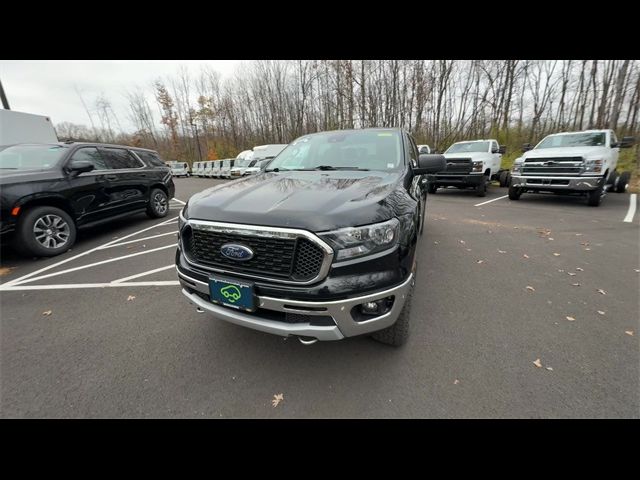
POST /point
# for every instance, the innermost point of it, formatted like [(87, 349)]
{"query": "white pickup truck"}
[(572, 163), (469, 164)]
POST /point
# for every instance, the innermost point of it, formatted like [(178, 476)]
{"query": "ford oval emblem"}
[(235, 251)]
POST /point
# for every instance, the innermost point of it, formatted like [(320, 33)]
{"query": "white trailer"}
[(20, 127)]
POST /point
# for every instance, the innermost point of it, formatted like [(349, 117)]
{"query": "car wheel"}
[(398, 333), (481, 188), (613, 179), (45, 232), (503, 178), (514, 193), (623, 182), (158, 204), (594, 197)]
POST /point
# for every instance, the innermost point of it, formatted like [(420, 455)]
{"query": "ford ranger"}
[(578, 163), (469, 164), (321, 245)]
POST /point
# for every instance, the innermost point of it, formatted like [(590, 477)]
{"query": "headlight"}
[(183, 217), (477, 166), (516, 168), (355, 242), (593, 165)]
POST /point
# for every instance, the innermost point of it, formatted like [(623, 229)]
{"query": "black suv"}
[(320, 245), (48, 191)]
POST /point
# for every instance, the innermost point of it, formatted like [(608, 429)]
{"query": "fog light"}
[(370, 308)]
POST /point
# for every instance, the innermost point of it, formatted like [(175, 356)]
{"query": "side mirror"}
[(430, 163), (526, 147), (78, 167), (627, 142), (502, 149)]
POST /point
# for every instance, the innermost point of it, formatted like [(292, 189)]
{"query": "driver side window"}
[(413, 151), (91, 155)]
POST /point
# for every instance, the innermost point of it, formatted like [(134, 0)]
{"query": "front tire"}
[(481, 188), (504, 179), (45, 232), (514, 193), (158, 204), (397, 334), (594, 197)]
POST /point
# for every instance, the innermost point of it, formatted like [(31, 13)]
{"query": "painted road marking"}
[(143, 274), (90, 285), (139, 239), (632, 208), (489, 201)]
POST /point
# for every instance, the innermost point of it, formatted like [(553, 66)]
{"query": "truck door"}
[(127, 180), (496, 157), (615, 151)]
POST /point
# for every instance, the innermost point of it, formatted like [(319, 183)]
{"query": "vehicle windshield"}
[(31, 157), (596, 139), (468, 147), (348, 150), (242, 162)]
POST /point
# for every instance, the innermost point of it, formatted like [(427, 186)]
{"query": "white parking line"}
[(82, 267), (139, 239), (632, 208), (62, 262), (143, 274), (489, 201), (90, 285), (179, 201)]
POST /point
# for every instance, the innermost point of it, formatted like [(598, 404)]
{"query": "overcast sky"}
[(48, 87)]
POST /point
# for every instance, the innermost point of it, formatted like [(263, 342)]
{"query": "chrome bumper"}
[(553, 183), (339, 310)]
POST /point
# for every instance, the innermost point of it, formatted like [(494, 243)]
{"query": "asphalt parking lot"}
[(502, 287)]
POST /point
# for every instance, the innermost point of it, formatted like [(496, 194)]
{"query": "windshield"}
[(349, 150), (468, 147), (574, 140), (31, 157), (243, 162)]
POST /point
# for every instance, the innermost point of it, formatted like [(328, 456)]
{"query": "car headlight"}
[(353, 242), (477, 166), (593, 165), (516, 168)]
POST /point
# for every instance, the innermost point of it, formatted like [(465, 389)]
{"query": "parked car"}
[(208, 167), (51, 190), (470, 164), (257, 166), (198, 169), (225, 167), (320, 245), (571, 163), (240, 166), (179, 169)]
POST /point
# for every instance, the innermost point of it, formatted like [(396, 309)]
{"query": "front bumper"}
[(447, 180), (342, 324), (578, 184)]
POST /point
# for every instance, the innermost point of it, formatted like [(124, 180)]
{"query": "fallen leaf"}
[(578, 234), (575, 284), (550, 369), (5, 270), (489, 231), (538, 363), (468, 249), (556, 254), (602, 291), (572, 274), (571, 319), (46, 313), (637, 270), (530, 288), (480, 261), (456, 381), (587, 249), (550, 238), (629, 332), (560, 270), (600, 312), (502, 251), (277, 399), (435, 243), (131, 297), (525, 255), (579, 269)]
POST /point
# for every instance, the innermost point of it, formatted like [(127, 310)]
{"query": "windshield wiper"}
[(8, 168), (277, 169), (331, 167)]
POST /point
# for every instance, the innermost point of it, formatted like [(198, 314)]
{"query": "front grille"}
[(552, 166), (296, 259), (458, 166)]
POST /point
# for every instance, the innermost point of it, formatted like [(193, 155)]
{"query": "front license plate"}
[(232, 293)]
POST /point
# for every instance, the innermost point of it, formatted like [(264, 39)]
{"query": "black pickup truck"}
[(320, 245)]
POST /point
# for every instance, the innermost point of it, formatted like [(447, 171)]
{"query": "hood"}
[(9, 177), (315, 201), (471, 155), (587, 152)]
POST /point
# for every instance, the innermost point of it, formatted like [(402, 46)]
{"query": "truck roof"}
[(600, 130)]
